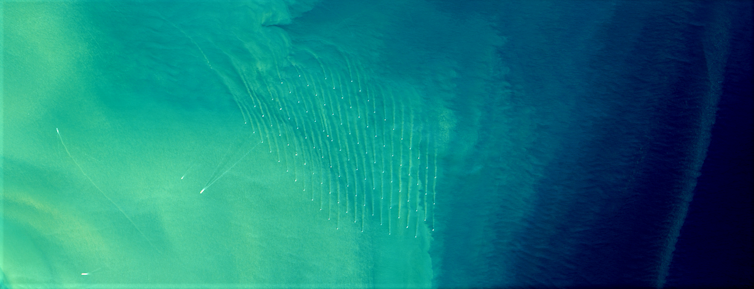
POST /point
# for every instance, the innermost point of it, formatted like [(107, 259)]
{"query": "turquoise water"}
[(350, 144), (221, 143)]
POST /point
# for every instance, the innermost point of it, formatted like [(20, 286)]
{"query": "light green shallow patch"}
[(149, 117)]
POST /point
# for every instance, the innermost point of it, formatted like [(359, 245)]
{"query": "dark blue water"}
[(714, 247), (626, 94)]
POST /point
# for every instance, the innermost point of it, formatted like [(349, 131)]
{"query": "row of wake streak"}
[(360, 147)]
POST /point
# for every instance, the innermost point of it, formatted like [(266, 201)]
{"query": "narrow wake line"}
[(222, 161), (105, 195), (226, 171)]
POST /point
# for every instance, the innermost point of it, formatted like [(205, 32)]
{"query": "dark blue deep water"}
[(632, 90)]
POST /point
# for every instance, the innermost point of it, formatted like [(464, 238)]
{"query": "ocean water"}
[(379, 144)]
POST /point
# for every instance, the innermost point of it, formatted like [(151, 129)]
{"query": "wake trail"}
[(231, 167), (105, 195)]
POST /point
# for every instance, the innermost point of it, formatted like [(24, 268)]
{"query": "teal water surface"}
[(351, 144), (255, 143)]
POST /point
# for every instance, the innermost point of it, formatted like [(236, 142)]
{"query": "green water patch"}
[(170, 153)]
